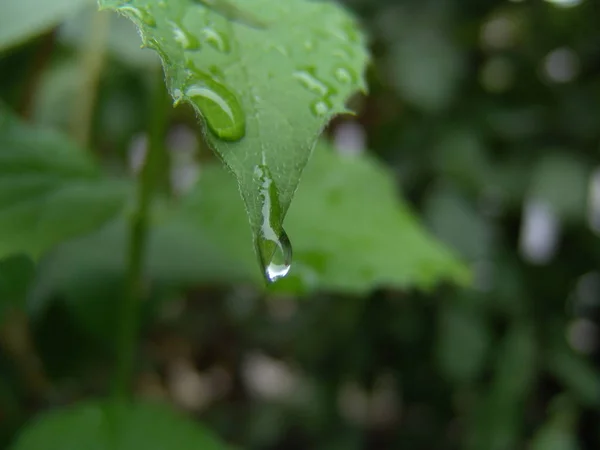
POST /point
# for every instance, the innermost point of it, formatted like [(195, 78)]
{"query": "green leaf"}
[(106, 426), (23, 19), (265, 77), (50, 190)]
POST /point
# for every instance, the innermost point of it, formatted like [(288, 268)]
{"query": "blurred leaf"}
[(50, 190), (463, 342), (498, 419), (277, 81), (23, 19), (576, 373), (105, 426), (16, 273)]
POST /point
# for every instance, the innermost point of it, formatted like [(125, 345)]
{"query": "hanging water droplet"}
[(183, 38), (138, 13), (218, 105), (321, 108), (309, 80), (344, 75), (216, 40), (273, 246)]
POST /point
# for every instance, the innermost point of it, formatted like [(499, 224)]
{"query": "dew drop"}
[(343, 75), (309, 80), (273, 245), (183, 38), (216, 40), (138, 13), (218, 105), (321, 108)]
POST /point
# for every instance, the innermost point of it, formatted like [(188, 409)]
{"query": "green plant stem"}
[(138, 236), (92, 60)]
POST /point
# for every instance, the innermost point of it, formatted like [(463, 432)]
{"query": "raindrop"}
[(321, 108), (218, 105), (344, 75), (309, 80), (274, 247), (183, 38), (216, 40)]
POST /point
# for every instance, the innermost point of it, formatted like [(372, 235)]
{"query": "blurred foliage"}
[(483, 115)]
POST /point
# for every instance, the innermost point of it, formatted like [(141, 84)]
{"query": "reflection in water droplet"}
[(216, 40), (138, 13), (321, 108), (274, 247), (218, 105), (183, 38)]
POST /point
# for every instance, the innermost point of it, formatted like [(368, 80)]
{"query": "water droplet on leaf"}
[(183, 38), (216, 40), (218, 105), (309, 80), (273, 246), (344, 75), (321, 108)]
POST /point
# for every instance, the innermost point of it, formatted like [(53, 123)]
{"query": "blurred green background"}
[(485, 116)]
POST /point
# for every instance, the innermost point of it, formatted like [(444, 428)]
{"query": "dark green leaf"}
[(105, 426), (50, 190)]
